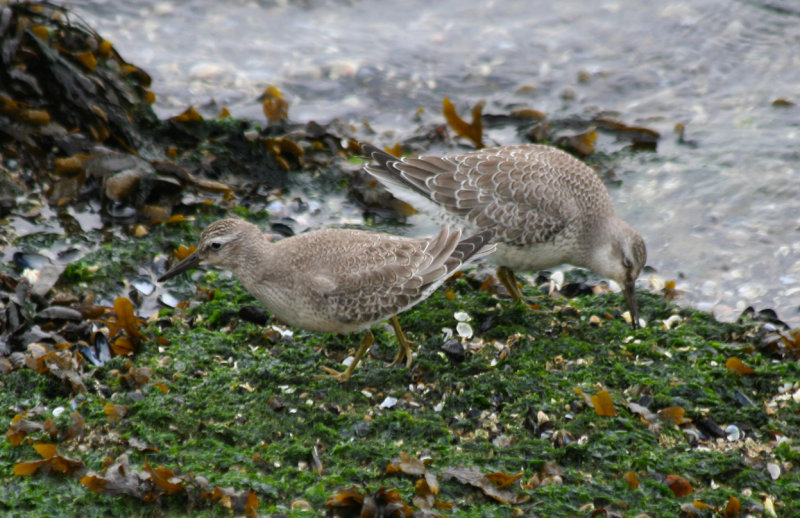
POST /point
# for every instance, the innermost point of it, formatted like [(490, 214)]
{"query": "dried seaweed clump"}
[(63, 85)]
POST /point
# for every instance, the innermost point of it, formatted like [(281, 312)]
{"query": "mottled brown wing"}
[(494, 192), (391, 276), (401, 272), (511, 190)]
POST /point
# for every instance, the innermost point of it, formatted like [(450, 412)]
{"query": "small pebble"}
[(206, 71), (254, 314), (59, 313), (454, 350), (362, 429), (301, 505)]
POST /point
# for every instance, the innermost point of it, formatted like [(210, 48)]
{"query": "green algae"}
[(243, 408), (219, 418)]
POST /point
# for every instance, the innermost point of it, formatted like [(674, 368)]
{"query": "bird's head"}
[(621, 257), (222, 243)]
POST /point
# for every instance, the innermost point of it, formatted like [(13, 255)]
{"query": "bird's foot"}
[(404, 353), (506, 276), (403, 345), (341, 377)]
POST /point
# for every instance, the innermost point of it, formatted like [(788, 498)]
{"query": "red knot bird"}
[(337, 280), (546, 207)]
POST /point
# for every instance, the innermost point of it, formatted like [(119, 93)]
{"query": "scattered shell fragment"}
[(732, 432), (774, 470), (29, 261), (143, 285), (556, 281), (60, 313), (769, 505), (388, 402), (447, 333), (30, 275), (627, 317), (464, 330), (656, 282), (102, 347), (140, 230), (285, 332), (168, 300), (90, 355), (462, 316), (671, 322)]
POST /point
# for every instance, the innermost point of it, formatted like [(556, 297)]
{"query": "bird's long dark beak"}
[(633, 306), (187, 264)]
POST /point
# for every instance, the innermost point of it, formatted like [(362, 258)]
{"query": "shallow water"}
[(721, 215)]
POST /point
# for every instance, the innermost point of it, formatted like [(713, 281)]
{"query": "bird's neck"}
[(599, 254), (255, 257)]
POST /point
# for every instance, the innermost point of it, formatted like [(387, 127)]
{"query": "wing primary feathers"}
[(389, 172)]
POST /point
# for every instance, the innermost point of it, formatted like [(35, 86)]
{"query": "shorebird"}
[(337, 280), (546, 207)]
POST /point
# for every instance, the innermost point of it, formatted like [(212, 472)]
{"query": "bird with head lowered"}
[(545, 206)]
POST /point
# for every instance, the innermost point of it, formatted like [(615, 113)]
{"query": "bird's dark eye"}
[(216, 245)]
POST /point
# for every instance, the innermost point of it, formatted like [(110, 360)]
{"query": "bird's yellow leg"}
[(403, 345), (509, 280), (341, 377)]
